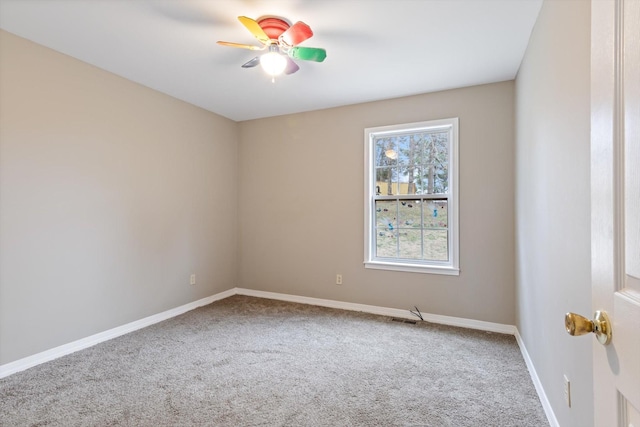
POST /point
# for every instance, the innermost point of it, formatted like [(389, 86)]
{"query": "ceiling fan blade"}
[(254, 28), (292, 67), (296, 34), (250, 64), (308, 53), (240, 45)]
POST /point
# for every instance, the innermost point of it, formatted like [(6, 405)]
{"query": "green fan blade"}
[(308, 53)]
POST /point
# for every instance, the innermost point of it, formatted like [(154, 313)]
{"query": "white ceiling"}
[(376, 49)]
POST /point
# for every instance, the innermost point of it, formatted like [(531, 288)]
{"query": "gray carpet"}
[(247, 361)]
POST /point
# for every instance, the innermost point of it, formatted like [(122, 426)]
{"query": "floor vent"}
[(411, 322)]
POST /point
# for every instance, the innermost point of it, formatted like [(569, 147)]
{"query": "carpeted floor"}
[(247, 361)]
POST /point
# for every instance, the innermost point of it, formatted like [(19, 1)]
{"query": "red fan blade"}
[(296, 34), (240, 45)]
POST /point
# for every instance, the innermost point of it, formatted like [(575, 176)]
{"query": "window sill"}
[(412, 268)]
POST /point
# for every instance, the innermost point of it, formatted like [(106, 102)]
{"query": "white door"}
[(615, 207)]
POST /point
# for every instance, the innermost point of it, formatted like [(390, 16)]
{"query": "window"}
[(411, 197)]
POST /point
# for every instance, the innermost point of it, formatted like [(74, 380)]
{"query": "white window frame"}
[(450, 267)]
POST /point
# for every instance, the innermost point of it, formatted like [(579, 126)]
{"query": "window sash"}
[(397, 227)]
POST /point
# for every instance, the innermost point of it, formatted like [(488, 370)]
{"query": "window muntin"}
[(411, 197)]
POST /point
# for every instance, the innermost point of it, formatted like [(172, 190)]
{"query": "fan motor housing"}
[(273, 27)]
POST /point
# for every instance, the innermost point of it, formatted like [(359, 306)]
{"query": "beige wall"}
[(553, 204), (111, 195), (301, 206)]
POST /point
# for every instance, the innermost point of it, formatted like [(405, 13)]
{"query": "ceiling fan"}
[(280, 40)]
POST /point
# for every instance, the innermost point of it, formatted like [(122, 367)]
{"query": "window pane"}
[(409, 155), (386, 214), (386, 152), (410, 244), (386, 181), (435, 245), (434, 162), (409, 214), (435, 214), (386, 243), (408, 178), (408, 150)]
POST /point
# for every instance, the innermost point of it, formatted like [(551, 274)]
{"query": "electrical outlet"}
[(192, 279), (338, 279), (567, 391)]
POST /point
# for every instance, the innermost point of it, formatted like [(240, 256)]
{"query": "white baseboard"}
[(546, 405), (383, 311), (54, 353), (63, 350)]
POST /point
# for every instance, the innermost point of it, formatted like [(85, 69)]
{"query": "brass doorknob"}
[(580, 325)]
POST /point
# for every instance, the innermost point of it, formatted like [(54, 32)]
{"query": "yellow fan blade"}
[(254, 28), (240, 45)]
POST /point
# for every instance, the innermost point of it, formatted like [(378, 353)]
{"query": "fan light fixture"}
[(273, 63), (281, 39)]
